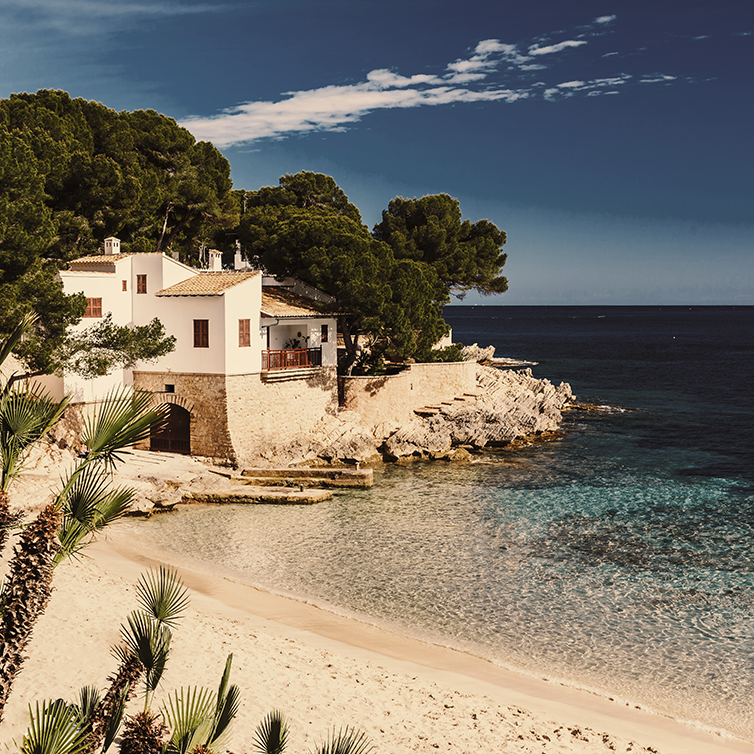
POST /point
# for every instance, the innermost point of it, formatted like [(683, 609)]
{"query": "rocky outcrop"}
[(509, 405)]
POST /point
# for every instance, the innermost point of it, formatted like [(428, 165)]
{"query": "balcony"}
[(291, 358)]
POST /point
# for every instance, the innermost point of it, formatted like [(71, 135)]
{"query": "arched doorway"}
[(175, 434)]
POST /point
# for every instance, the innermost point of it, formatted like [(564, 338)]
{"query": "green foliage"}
[(74, 172), (345, 741), (53, 729), (465, 255), (271, 735), (99, 349)]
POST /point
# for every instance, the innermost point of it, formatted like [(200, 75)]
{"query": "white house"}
[(254, 358)]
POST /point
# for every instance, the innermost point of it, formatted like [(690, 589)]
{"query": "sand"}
[(321, 669)]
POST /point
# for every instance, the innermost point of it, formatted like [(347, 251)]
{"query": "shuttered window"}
[(141, 283), (325, 334), (201, 333), (93, 307), (244, 333)]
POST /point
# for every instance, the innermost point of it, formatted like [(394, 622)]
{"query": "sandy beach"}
[(322, 670)]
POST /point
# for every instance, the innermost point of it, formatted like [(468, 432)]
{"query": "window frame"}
[(201, 333), (93, 306), (244, 333), (141, 284)]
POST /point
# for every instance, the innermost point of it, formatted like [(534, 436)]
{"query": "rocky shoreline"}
[(508, 406)]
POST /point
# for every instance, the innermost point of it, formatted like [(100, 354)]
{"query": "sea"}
[(616, 558)]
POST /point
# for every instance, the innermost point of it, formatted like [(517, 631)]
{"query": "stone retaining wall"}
[(264, 416), (389, 401)]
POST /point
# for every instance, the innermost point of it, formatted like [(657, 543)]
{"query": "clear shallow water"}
[(620, 558)]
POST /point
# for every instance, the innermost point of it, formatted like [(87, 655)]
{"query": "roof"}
[(207, 284), (280, 302), (98, 260)]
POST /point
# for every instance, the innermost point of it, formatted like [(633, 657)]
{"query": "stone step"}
[(330, 476), (258, 496), (301, 482)]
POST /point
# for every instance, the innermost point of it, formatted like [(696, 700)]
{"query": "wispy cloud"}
[(494, 71)]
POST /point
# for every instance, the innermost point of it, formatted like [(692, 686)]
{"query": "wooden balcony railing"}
[(291, 358)]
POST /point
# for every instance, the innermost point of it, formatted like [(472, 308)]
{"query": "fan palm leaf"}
[(228, 701), (161, 593), (149, 641), (124, 418), (271, 735), (89, 504), (345, 741), (189, 714), (54, 729), (26, 416)]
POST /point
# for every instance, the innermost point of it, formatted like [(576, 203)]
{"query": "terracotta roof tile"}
[(207, 284), (280, 302)]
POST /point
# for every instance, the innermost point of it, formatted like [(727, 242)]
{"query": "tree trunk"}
[(350, 341), (26, 594)]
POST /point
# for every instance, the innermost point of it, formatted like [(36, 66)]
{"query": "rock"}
[(475, 353)]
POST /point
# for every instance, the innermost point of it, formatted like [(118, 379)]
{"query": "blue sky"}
[(612, 140)]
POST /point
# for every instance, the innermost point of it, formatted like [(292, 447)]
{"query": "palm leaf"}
[(345, 741), (26, 323), (89, 698), (150, 642), (227, 702), (54, 729), (271, 735), (189, 715), (26, 415), (115, 719), (88, 505), (122, 419), (162, 594)]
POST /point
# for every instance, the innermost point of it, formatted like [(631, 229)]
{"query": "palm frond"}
[(123, 418), (26, 323), (115, 719), (53, 729), (88, 699), (345, 741), (271, 735), (150, 642), (188, 713), (88, 505), (227, 702), (26, 415), (162, 594)]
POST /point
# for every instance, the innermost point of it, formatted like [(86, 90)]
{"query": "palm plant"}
[(84, 505), (271, 737)]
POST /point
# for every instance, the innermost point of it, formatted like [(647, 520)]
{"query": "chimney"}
[(112, 245), (215, 261)]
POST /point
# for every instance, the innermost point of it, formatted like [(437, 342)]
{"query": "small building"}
[(254, 360)]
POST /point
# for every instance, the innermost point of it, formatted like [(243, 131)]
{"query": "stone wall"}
[(383, 403), (264, 417), (204, 396)]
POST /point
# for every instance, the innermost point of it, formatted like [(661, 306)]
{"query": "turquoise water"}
[(617, 559)]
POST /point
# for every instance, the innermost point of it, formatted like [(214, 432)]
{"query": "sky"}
[(613, 141)]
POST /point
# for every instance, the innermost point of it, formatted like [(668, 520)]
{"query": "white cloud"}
[(549, 49), (493, 72), (657, 79)]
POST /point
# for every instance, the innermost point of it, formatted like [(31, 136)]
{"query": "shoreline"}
[(302, 622)]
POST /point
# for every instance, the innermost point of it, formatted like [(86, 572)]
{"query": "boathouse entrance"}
[(174, 436)]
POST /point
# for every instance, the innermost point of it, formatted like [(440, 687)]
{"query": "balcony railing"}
[(291, 358)]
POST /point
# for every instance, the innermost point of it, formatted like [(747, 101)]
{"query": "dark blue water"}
[(619, 558)]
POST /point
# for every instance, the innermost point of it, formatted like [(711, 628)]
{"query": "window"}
[(93, 307), (244, 332), (125, 285), (141, 283), (325, 334), (169, 388), (201, 333)]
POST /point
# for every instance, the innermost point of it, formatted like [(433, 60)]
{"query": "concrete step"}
[(258, 496), (322, 477)]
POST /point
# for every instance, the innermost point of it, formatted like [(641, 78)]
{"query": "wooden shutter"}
[(201, 333), (244, 333)]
